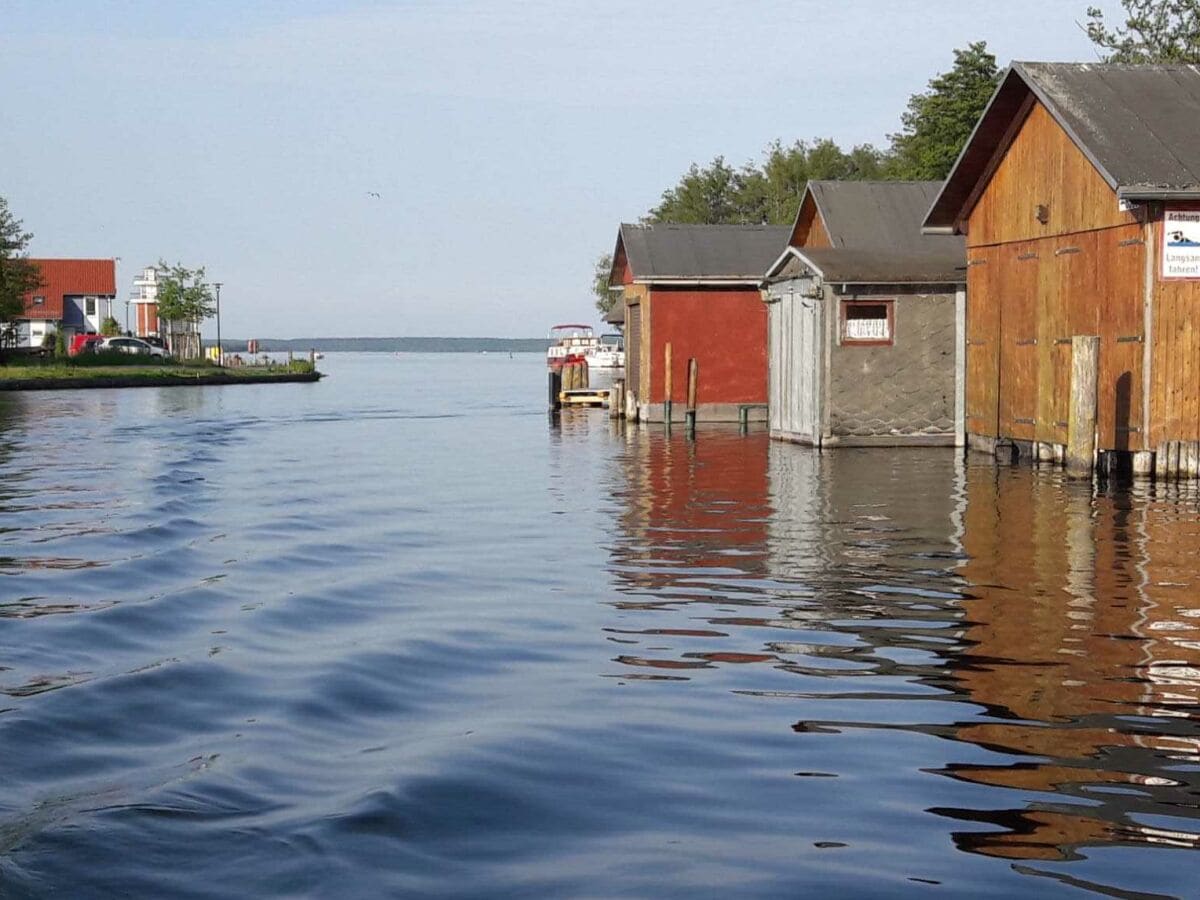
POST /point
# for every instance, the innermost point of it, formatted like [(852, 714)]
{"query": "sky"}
[(506, 140)]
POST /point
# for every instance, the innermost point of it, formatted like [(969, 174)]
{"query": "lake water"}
[(400, 634)]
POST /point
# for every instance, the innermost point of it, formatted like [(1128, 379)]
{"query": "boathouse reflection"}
[(1060, 625), (1083, 643)]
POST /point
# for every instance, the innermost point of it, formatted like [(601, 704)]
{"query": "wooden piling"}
[(693, 376), (555, 388), (667, 385), (1081, 423)]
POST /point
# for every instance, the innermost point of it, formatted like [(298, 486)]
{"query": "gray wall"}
[(907, 388)]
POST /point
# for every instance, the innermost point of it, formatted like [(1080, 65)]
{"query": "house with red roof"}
[(75, 297)]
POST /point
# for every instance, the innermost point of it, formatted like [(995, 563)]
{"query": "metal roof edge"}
[(789, 250), (752, 280)]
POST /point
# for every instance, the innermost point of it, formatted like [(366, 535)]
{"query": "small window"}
[(867, 322), (39, 301), (89, 306)]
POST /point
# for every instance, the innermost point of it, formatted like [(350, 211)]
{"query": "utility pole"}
[(220, 354)]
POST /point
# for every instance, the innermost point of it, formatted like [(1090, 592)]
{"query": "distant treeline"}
[(392, 344)]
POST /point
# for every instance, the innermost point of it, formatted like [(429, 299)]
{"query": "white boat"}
[(608, 353), (569, 344)]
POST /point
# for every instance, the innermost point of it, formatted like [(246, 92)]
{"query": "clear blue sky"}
[(506, 140)]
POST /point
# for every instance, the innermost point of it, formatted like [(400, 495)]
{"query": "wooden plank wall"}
[(983, 342), (1043, 167), (809, 230), (1078, 268), (1029, 298)]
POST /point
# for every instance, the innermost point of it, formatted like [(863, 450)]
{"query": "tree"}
[(17, 275), (605, 299), (110, 327), (1155, 31), (770, 193), (184, 301), (937, 123), (702, 196)]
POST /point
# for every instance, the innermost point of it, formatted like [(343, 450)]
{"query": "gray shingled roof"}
[(876, 214), (1138, 124), (875, 230), (700, 252), (845, 265)]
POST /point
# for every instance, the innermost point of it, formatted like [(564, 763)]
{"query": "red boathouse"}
[(694, 288)]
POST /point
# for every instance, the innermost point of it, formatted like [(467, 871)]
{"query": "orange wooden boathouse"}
[(1079, 195)]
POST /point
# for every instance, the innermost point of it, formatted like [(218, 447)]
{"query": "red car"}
[(84, 343)]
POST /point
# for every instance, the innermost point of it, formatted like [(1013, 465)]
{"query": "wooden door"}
[(983, 334), (1120, 273), (1020, 341)]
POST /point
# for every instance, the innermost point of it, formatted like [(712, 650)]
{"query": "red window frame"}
[(889, 303)]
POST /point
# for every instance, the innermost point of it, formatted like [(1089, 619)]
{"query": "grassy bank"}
[(53, 375)]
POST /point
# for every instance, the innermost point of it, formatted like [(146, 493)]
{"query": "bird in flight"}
[(374, 194)]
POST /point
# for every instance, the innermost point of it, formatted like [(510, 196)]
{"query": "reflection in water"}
[(1084, 645), (1055, 632), (394, 632)]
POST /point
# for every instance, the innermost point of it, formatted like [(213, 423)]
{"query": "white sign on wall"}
[(1181, 244)]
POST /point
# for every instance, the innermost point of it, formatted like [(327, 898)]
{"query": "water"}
[(396, 634)]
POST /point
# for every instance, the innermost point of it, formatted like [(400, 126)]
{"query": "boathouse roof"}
[(874, 229), (69, 278), (874, 214), (700, 253), (844, 265), (1135, 123)]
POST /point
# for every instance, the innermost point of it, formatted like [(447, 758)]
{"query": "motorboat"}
[(609, 353), (569, 344)]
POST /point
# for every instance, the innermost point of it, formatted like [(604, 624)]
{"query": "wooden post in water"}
[(667, 384), (693, 376), (1081, 422), (555, 387), (585, 381)]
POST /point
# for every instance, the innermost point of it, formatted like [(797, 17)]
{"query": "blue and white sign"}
[(1181, 244)]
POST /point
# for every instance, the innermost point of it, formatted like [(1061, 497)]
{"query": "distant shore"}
[(394, 345), (46, 379)]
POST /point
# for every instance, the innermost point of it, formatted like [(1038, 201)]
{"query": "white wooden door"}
[(807, 358)]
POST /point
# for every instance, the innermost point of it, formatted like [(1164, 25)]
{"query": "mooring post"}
[(1081, 423), (693, 375), (667, 384), (555, 388)]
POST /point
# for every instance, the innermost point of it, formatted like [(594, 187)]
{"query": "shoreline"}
[(151, 379)]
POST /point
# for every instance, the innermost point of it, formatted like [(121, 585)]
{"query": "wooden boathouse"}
[(1079, 196), (690, 296), (865, 318)]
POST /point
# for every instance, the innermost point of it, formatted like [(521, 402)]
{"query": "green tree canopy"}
[(605, 299), (770, 192), (938, 122), (17, 275), (1155, 31), (182, 294)]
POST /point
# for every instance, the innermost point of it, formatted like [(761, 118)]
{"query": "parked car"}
[(84, 343), (131, 345)]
